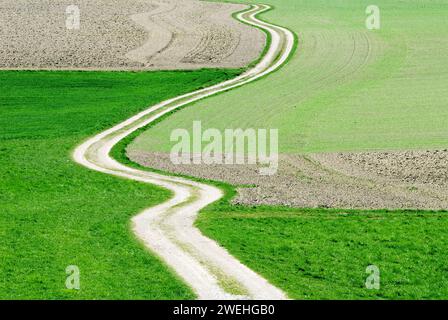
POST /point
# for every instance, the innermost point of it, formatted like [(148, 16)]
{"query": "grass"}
[(323, 254), (55, 213), (346, 88)]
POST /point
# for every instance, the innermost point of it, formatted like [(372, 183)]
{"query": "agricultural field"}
[(125, 35), (347, 89), (324, 254)]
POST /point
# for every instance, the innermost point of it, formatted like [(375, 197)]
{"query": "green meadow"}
[(323, 254), (54, 213), (347, 87)]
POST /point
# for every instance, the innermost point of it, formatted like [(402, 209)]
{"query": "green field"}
[(346, 88), (321, 254), (54, 213)]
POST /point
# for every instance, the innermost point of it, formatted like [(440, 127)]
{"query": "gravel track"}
[(168, 229)]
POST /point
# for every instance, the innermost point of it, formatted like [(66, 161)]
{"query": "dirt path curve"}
[(168, 229)]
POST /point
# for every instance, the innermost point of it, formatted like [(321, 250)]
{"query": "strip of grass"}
[(323, 254), (54, 213)]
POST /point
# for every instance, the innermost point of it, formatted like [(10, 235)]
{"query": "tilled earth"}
[(368, 180), (125, 35)]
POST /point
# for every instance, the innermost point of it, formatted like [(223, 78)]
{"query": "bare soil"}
[(125, 35), (368, 180)]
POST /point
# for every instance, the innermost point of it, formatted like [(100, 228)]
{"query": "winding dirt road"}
[(168, 229)]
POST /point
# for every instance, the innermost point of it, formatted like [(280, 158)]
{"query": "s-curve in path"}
[(168, 229)]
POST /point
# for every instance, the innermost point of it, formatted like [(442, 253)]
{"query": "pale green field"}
[(346, 88)]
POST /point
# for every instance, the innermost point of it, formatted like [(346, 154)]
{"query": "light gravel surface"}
[(125, 35), (168, 229), (375, 180)]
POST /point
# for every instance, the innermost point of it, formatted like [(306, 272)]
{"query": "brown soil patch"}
[(371, 180), (125, 35)]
